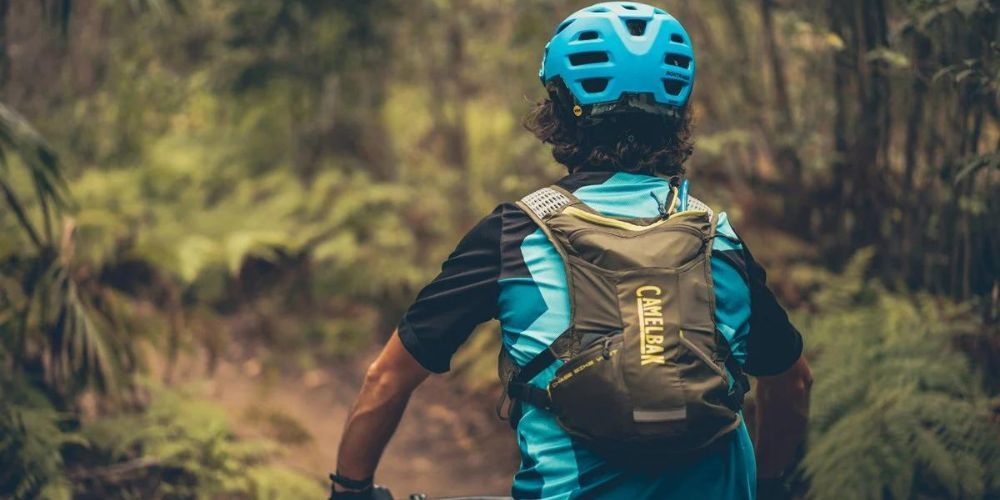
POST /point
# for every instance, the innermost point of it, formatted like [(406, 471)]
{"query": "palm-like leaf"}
[(18, 137), (54, 324)]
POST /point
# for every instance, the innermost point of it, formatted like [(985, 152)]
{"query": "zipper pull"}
[(606, 352), (659, 206)]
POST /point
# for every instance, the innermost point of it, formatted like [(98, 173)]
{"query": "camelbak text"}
[(649, 300)]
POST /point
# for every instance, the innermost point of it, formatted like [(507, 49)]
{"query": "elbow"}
[(799, 381), (378, 375), (793, 385), (805, 384), (803, 380), (394, 373)]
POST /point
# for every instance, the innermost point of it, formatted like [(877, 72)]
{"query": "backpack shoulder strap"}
[(540, 206), (741, 385)]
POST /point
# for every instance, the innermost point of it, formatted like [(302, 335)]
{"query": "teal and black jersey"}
[(505, 268)]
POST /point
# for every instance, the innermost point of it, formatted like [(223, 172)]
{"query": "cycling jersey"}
[(505, 268)]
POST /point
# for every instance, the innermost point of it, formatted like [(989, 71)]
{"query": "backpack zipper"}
[(606, 350), (701, 354), (628, 226)]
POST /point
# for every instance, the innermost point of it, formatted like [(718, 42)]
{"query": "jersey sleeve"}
[(763, 339), (463, 295), (773, 344)]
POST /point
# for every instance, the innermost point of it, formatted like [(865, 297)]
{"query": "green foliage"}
[(58, 340), (31, 438), (896, 411), (39, 173), (185, 447), (179, 447), (283, 175), (44, 319)]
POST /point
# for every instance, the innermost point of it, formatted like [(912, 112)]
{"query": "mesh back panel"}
[(545, 201), (696, 204)]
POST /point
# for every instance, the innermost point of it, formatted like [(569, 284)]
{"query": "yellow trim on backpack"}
[(673, 202), (620, 224)]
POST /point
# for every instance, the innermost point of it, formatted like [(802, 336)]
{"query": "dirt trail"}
[(447, 443)]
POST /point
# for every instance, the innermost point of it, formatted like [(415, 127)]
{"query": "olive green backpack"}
[(644, 370)]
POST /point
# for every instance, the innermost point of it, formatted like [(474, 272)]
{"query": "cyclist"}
[(619, 76)]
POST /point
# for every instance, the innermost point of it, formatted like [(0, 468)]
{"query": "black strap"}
[(518, 385), (528, 393), (353, 484), (741, 384), (521, 390), (537, 364)]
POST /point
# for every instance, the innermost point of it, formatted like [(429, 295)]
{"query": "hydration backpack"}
[(644, 368)]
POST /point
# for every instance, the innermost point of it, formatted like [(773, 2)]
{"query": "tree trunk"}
[(4, 44), (782, 135), (911, 146)]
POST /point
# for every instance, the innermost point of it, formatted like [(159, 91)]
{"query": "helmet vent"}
[(598, 9), (564, 25), (583, 58), (676, 38), (588, 35), (628, 7), (594, 85), (677, 60), (673, 87), (637, 27)]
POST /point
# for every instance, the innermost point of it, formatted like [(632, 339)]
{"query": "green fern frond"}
[(30, 442), (896, 411)]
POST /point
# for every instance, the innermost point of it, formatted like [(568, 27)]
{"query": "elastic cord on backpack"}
[(666, 211)]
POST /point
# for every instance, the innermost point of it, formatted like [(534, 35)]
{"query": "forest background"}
[(213, 212)]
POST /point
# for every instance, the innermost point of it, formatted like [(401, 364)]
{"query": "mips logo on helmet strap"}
[(649, 300)]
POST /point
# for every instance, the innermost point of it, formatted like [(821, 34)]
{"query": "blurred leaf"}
[(834, 41), (941, 72), (987, 161), (891, 57), (967, 7), (18, 137), (962, 75)]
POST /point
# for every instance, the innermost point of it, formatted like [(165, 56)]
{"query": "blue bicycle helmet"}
[(619, 57)]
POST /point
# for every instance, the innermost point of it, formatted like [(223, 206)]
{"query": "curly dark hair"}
[(637, 142)]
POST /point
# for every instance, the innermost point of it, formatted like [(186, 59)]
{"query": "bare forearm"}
[(371, 424), (782, 415), (388, 384)]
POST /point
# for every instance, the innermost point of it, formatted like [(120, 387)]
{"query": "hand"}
[(773, 489)]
